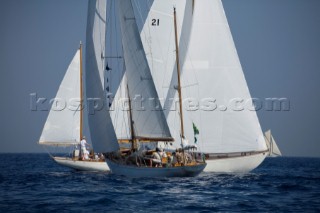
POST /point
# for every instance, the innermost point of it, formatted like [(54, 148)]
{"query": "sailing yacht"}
[(274, 150), (64, 128), (212, 79), (149, 123)]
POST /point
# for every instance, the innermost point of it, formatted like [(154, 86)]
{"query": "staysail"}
[(101, 129), (62, 127), (149, 120)]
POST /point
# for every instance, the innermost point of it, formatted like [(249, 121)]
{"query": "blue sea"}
[(35, 183)]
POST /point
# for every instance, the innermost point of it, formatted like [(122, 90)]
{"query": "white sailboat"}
[(64, 128), (211, 75), (274, 150), (149, 123)]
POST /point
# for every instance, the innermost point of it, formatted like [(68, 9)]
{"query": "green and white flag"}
[(195, 132)]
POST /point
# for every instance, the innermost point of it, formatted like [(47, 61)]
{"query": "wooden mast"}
[(178, 72), (179, 83), (81, 94), (133, 137)]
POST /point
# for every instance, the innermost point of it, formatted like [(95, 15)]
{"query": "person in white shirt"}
[(83, 144)]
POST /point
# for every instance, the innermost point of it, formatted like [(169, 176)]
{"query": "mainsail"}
[(147, 115), (101, 129), (62, 127)]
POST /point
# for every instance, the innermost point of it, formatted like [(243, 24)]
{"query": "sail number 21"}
[(155, 22)]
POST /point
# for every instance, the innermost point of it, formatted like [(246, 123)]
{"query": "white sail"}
[(212, 71), (149, 120), (158, 37), (115, 80), (62, 127), (101, 129), (119, 112), (267, 136), (276, 150), (213, 65), (272, 145)]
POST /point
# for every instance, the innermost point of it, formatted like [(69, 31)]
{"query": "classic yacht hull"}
[(100, 166), (237, 164), (134, 171)]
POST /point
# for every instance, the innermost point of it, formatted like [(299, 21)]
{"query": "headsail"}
[(213, 64), (149, 120), (101, 129), (62, 127), (271, 144), (212, 78)]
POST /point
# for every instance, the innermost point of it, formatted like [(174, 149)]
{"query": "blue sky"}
[(278, 43)]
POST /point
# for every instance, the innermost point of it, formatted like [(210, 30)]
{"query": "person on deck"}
[(156, 158), (83, 144), (162, 153), (179, 156), (173, 159)]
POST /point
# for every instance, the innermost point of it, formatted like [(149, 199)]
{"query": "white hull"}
[(241, 164), (134, 171), (82, 165)]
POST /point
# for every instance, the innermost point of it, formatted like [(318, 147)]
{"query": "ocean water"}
[(34, 183)]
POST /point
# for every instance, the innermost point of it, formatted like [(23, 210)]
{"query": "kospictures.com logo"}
[(139, 103)]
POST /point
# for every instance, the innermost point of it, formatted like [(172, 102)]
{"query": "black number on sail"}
[(155, 22)]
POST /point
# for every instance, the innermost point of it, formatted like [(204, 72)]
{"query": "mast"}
[(179, 83), (81, 93), (131, 123), (178, 72)]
